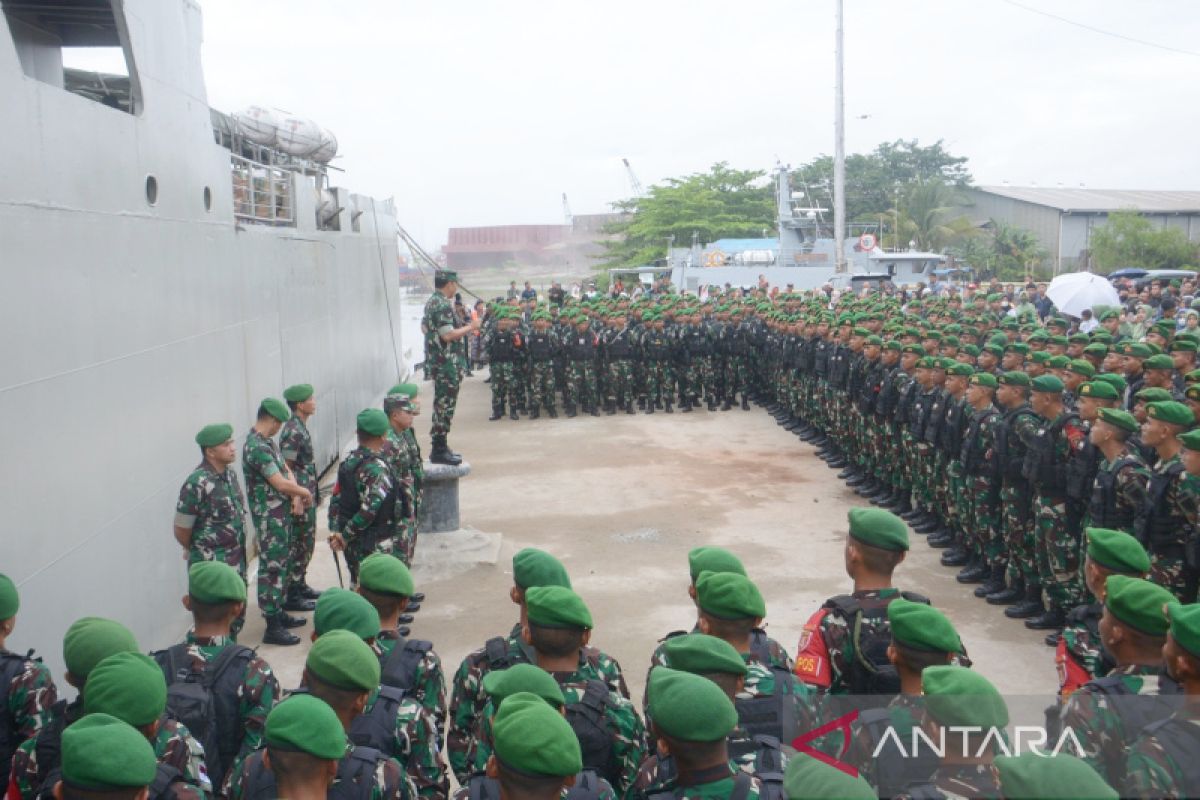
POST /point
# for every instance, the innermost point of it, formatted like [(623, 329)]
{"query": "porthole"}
[(151, 190), (207, 199)]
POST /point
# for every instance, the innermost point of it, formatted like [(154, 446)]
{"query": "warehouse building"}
[(1063, 219)]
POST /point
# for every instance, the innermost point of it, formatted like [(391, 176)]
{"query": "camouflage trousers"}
[(405, 541), (983, 527), (446, 380), (1057, 552), (359, 547), (1169, 571), (274, 549), (1018, 536), (619, 387), (304, 535), (737, 376), (688, 377), (581, 385), (504, 385), (541, 384), (660, 381)]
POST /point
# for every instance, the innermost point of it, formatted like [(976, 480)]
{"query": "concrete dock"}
[(621, 500)]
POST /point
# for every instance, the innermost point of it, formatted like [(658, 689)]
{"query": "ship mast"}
[(839, 152)]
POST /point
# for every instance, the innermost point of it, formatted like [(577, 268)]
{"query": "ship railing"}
[(262, 193)]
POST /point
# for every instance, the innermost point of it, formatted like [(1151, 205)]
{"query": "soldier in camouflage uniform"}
[(441, 336), (656, 354), (29, 692), (506, 355), (1162, 524), (1107, 713), (1162, 761), (582, 351), (210, 516), (1018, 424), (542, 347), (342, 672), (557, 619), (698, 744), (619, 346), (274, 498), (216, 597), (531, 567), (981, 481), (416, 463), (386, 583), (295, 444), (366, 498), (399, 409)]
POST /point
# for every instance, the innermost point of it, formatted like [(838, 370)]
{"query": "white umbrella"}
[(1077, 292)]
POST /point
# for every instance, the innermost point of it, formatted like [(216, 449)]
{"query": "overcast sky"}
[(484, 113)]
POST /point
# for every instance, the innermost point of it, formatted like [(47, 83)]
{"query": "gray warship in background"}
[(802, 255), (163, 266)]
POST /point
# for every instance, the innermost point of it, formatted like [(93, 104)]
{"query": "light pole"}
[(839, 152)]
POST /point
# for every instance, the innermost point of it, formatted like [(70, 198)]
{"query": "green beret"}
[(1100, 390), (373, 422), (1111, 313), (727, 595), (995, 297), (1137, 603), (383, 573), (1153, 394), (215, 582), (343, 660), (1192, 392), (1192, 376), (298, 393), (1181, 345), (533, 567), (1058, 362), (860, 332), (1101, 336), (447, 275), (699, 653), (874, 340), (1010, 324), (713, 559), (344, 610), (531, 737), (308, 725), (398, 402), (1185, 626), (915, 349), (971, 350), (101, 753), (276, 408), (128, 686), (935, 335), (406, 389), (10, 600), (1171, 412), (1191, 439), (91, 640), (213, 435), (1013, 378), (951, 341), (807, 778), (994, 349), (922, 627), (957, 696), (1036, 776), (1038, 336), (1096, 349), (961, 370), (1061, 341), (892, 344), (1135, 349), (1158, 362), (1081, 367), (1017, 347), (1047, 384), (878, 528), (985, 379), (688, 707), (1040, 357), (1077, 338), (927, 363), (502, 683), (556, 607), (1119, 419), (1115, 381)]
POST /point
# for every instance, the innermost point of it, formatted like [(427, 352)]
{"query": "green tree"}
[(875, 180), (1130, 240), (925, 216), (720, 203)]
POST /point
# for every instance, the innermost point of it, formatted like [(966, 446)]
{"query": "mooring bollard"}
[(439, 511)]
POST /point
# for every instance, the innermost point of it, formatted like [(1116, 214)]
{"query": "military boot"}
[(973, 573), (570, 411), (512, 413), (685, 407), (1031, 606), (295, 601), (307, 591), (277, 632), (497, 413), (1006, 596), (994, 584), (668, 409), (1051, 619), (712, 404), (745, 402), (726, 405), (593, 410), (535, 413), (649, 407), (629, 407), (442, 454), (552, 412), (610, 408)]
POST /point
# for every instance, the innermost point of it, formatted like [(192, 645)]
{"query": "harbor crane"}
[(638, 191)]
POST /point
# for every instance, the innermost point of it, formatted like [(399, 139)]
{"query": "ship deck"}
[(621, 500)]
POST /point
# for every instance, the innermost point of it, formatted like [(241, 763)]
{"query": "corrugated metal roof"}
[(1101, 199)]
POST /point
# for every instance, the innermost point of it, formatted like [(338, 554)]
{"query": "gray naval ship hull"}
[(126, 325)]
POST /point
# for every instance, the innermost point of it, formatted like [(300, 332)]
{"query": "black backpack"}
[(773, 716), (207, 701), (399, 669), (164, 786), (893, 770), (11, 666), (587, 718), (377, 728), (742, 784), (588, 786), (355, 777), (1181, 742), (870, 672)]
